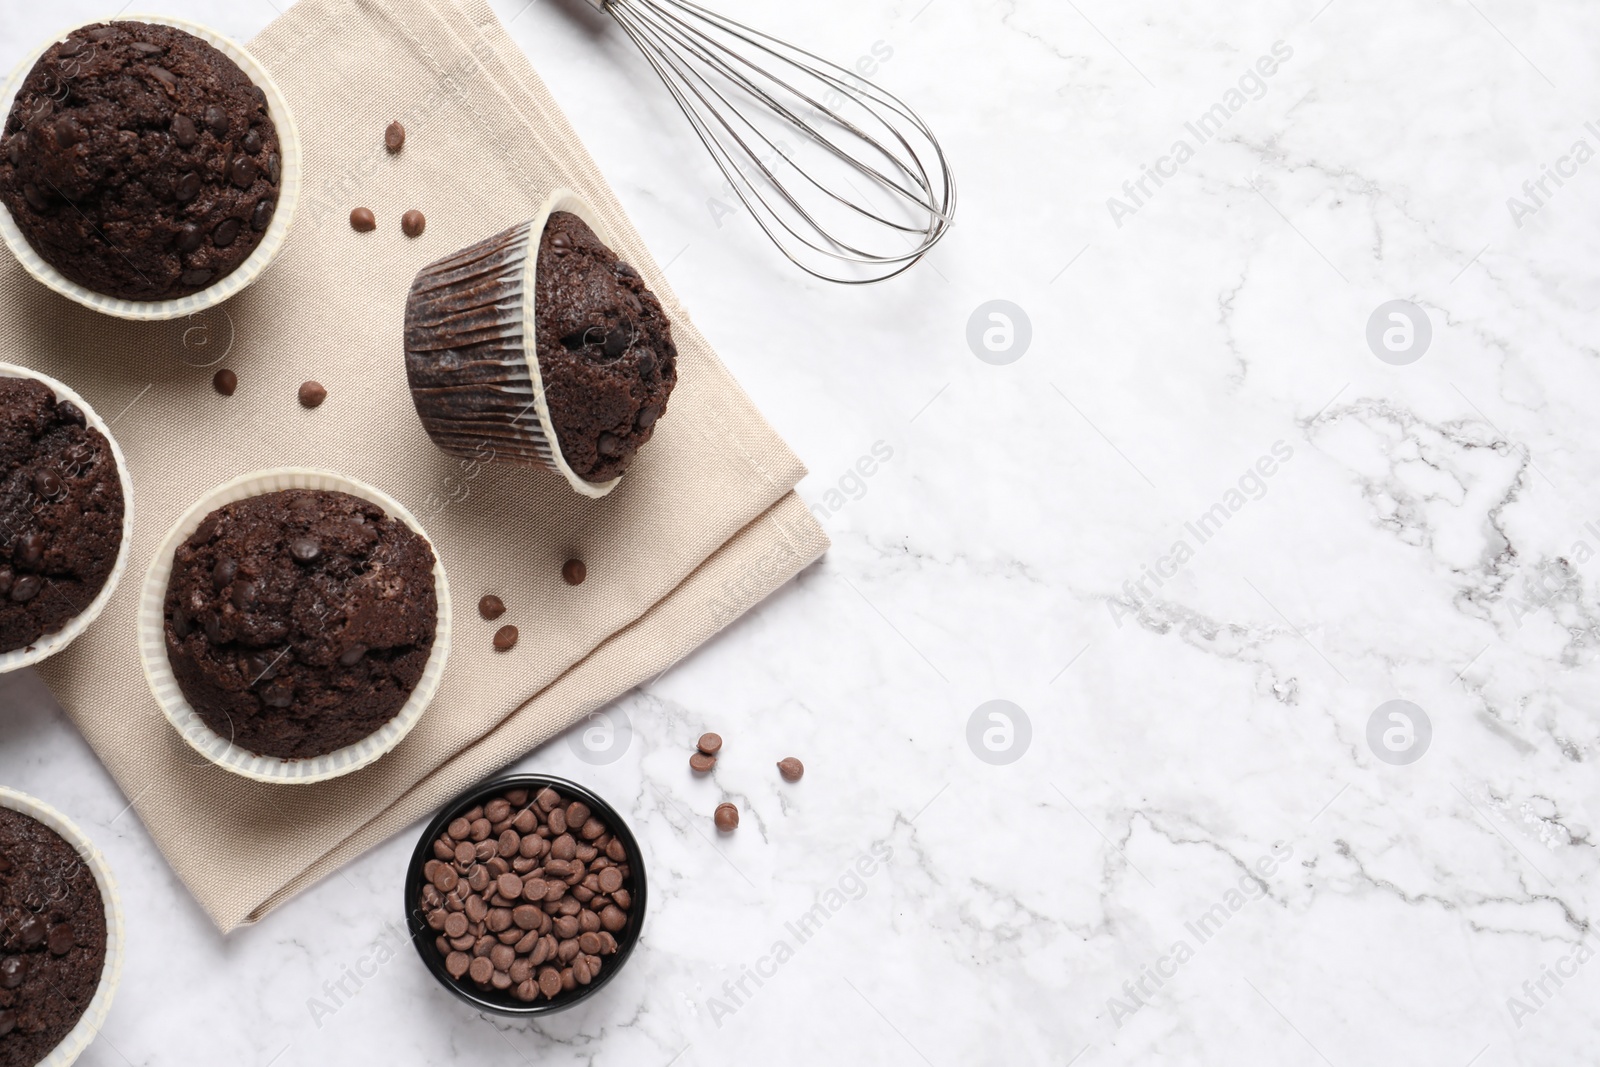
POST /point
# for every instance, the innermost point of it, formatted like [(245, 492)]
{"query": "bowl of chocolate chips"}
[(525, 895)]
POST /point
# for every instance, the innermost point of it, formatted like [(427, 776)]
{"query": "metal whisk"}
[(860, 193)]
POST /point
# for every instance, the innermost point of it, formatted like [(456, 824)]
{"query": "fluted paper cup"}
[(49, 644), (472, 352), (272, 241), (164, 685), (94, 1016)]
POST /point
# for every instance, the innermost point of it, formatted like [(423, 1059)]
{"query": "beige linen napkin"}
[(705, 524)]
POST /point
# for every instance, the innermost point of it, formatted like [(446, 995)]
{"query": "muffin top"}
[(139, 161), (299, 622), (605, 350), (61, 511), (52, 938)]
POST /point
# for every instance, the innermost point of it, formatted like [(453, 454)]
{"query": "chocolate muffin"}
[(299, 622), (61, 512), (52, 939), (605, 350), (139, 161)]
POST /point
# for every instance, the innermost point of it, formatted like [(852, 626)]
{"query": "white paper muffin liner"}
[(94, 1016), (474, 371), (50, 644), (191, 727), (272, 241)]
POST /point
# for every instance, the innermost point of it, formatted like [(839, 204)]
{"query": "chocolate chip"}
[(505, 638), (226, 233), (312, 394), (8, 1021), (709, 743), (168, 80), (609, 445), (613, 918), (223, 574), (560, 244), (262, 667), (26, 587), (261, 218), (61, 939), (31, 932), (225, 381), (35, 197), (213, 628), (196, 278), (216, 120), (791, 769), (146, 48), (274, 168), (413, 222), (305, 550), (188, 187), (30, 549), (573, 572), (617, 342), (727, 818), (69, 132), (242, 172), (394, 138), (16, 148), (184, 131), (278, 696), (47, 483), (362, 220), (191, 237), (701, 763), (457, 964), (491, 607), (352, 655), (259, 95), (11, 972), (252, 141), (72, 47)]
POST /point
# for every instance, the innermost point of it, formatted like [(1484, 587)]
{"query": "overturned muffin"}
[(299, 622), (605, 350), (61, 512), (579, 389), (139, 161)]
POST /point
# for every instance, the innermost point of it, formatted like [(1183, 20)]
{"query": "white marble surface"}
[(1182, 734)]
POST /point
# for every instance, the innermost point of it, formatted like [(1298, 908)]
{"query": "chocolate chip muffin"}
[(61, 512), (52, 939), (605, 350), (299, 622), (139, 161)]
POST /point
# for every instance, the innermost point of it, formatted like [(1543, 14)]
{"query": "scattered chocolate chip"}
[(196, 278), (609, 444), (223, 574), (413, 222), (278, 696), (274, 168), (791, 769), (47, 483), (35, 197), (560, 244), (184, 131), (573, 572), (188, 187), (312, 394), (252, 141), (617, 342), (709, 743), (71, 413), (305, 550), (11, 972), (362, 220), (262, 217), (30, 549), (216, 120), (26, 587), (72, 47), (69, 132), (727, 818), (225, 382), (61, 939), (491, 607), (394, 138), (168, 80), (701, 763), (146, 48), (505, 638), (226, 233)]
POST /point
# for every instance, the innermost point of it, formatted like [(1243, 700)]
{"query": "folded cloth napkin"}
[(703, 526)]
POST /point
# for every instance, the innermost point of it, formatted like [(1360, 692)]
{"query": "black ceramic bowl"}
[(503, 1003)]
